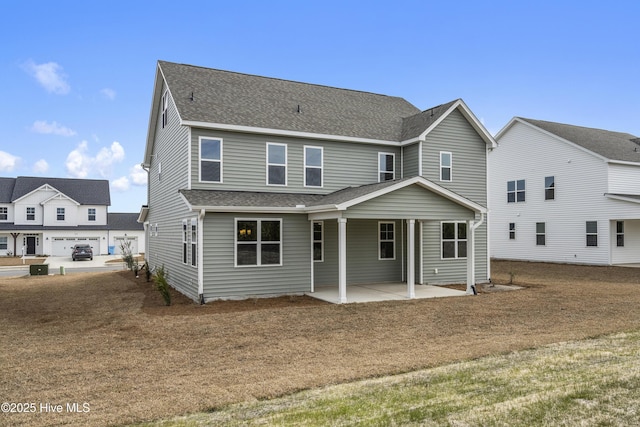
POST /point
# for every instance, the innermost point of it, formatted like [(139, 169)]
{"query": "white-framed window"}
[(512, 231), (3, 243), (4, 213), (541, 234), (592, 233), (386, 167), (31, 213), (386, 240), (276, 164), (194, 242), (318, 241), (165, 108), (185, 242), (91, 214), (454, 240), (313, 165), (446, 166), (620, 234), (549, 187), (258, 242), (516, 191), (60, 214), (210, 159)]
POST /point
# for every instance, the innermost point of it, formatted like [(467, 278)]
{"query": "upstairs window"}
[(31, 214), (549, 188), (454, 240), (165, 108), (318, 241), (446, 166), (516, 191), (512, 231), (91, 214), (313, 163), (210, 160), (276, 164), (60, 214), (619, 234), (258, 242), (194, 242), (386, 239), (4, 213), (541, 234), (592, 233), (386, 167)]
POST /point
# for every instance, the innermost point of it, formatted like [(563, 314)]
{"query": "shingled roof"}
[(611, 145), (83, 191), (205, 95)]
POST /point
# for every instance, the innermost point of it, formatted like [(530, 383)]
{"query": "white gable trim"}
[(45, 187), (59, 196), (550, 134), (471, 118)]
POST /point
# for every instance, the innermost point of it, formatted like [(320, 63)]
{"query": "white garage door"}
[(62, 245), (119, 241)]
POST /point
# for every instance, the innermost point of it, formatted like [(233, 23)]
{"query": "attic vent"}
[(299, 109)]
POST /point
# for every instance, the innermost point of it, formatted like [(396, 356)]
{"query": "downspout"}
[(471, 261), (201, 256)]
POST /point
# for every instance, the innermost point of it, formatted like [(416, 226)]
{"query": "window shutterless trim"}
[(285, 164), (456, 240), (386, 240), (382, 167), (306, 166), (258, 242), (200, 159), (316, 241), (444, 167)]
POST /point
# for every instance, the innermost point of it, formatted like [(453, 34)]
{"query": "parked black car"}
[(82, 251)]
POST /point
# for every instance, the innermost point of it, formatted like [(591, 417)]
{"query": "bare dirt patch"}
[(108, 340)]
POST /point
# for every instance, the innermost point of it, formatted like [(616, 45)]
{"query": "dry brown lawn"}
[(107, 340)]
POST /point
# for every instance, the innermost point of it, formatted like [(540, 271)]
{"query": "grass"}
[(588, 382)]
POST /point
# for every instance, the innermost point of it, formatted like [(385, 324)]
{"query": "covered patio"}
[(382, 292)]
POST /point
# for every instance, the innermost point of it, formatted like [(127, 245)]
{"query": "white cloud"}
[(80, 163), (110, 94), (138, 175), (41, 166), (8, 162), (42, 126), (50, 76), (120, 184)]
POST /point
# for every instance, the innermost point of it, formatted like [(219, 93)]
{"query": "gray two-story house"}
[(260, 186)]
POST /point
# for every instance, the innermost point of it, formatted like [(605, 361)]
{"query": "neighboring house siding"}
[(244, 163), (168, 173), (624, 179), (410, 158), (222, 279), (469, 171), (580, 185), (631, 249)]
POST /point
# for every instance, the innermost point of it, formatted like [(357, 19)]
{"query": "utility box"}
[(39, 269)]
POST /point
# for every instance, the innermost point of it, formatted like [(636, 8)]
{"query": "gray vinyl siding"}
[(244, 163), (412, 202), (326, 272), (410, 159), (451, 270), (166, 208), (223, 280), (454, 134), (363, 265)]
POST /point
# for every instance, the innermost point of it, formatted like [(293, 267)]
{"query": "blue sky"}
[(77, 76)]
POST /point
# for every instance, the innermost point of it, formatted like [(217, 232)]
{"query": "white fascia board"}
[(623, 198), (623, 162), (282, 132), (59, 195), (42, 187), (471, 118), (249, 209)]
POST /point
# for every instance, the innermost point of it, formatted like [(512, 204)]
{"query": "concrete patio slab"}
[(382, 292)]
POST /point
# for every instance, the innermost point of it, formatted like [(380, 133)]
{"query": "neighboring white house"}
[(48, 216), (562, 193)]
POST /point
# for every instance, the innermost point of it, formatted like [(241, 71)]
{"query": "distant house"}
[(564, 193), (47, 216), (260, 186)]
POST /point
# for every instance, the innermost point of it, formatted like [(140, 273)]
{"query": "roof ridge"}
[(574, 126)]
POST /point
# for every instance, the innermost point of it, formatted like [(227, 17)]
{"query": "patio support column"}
[(471, 258), (411, 258), (342, 260)]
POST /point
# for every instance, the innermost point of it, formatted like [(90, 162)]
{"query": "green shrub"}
[(162, 284)]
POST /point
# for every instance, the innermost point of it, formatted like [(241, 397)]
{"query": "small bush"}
[(162, 284), (127, 254)]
